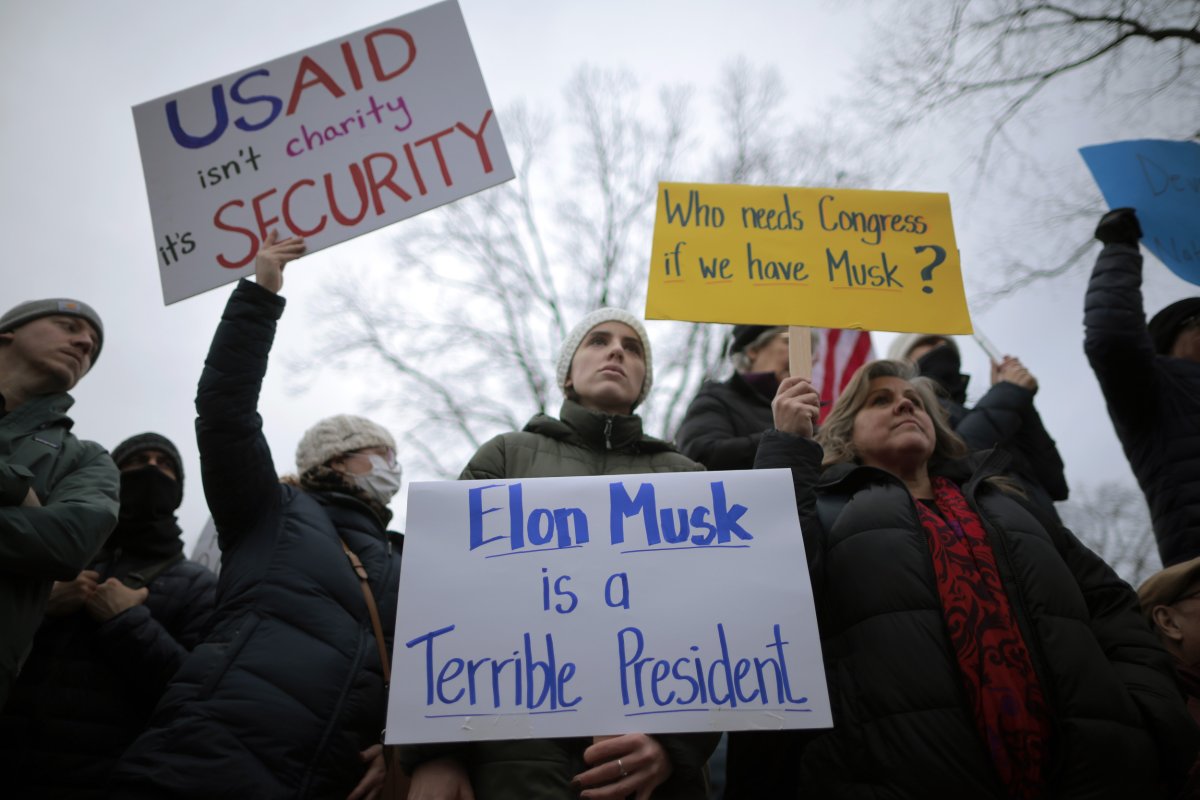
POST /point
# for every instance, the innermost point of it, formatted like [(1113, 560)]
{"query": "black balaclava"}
[(943, 364), (146, 529)]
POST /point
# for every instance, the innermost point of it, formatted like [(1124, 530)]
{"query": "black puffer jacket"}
[(902, 728), (89, 687), (287, 689), (724, 423), (1006, 417), (1154, 401)]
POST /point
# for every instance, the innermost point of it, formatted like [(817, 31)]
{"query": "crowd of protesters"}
[(973, 646)]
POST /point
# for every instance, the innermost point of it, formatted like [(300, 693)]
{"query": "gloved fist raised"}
[(1119, 226)]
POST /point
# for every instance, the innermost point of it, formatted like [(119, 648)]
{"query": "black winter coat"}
[(287, 689), (1154, 401), (89, 687), (1006, 417), (902, 728), (724, 423)]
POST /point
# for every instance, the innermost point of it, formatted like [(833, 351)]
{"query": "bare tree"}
[(470, 317), (1112, 520), (1001, 68), (1006, 53)]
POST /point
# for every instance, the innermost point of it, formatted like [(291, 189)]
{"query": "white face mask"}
[(382, 482)]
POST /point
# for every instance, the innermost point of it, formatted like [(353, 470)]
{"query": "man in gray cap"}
[(1150, 376), (58, 494)]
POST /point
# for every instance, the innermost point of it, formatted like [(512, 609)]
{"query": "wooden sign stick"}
[(800, 360)]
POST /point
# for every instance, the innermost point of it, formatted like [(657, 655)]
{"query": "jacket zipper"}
[(608, 422)]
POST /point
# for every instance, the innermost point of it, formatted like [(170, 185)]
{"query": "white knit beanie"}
[(600, 315), (905, 343), (334, 436)]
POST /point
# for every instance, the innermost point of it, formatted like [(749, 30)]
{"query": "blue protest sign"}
[(1161, 179)]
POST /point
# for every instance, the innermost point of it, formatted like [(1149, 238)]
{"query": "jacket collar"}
[(595, 430), (967, 472), (346, 511), (42, 412)]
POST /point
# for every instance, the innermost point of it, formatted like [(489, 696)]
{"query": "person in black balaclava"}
[(1004, 417), (111, 640)]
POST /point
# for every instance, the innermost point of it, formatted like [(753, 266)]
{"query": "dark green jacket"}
[(77, 484), (582, 442)]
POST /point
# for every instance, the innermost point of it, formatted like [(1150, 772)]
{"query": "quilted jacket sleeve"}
[(707, 435), (1116, 339), (239, 476)]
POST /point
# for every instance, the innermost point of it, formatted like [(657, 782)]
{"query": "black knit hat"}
[(1165, 325), (149, 441), (743, 335)]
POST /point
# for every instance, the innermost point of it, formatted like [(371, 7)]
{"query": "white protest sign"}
[(207, 551), (327, 143), (601, 605)]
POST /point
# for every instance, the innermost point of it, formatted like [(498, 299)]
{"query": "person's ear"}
[(1165, 622), (337, 464)]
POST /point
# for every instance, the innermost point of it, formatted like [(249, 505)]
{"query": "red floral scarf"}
[(1006, 698)]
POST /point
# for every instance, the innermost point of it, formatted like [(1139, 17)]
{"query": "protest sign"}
[(830, 258), (1161, 179), (601, 605), (207, 551), (327, 143)]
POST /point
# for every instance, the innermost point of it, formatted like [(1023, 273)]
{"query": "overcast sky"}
[(75, 219)]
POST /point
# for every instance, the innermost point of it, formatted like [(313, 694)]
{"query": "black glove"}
[(1119, 226)]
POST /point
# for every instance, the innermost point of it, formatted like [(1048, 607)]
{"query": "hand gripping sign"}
[(327, 143), (601, 605)]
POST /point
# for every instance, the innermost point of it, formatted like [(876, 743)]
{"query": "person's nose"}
[(83, 342), (905, 406)]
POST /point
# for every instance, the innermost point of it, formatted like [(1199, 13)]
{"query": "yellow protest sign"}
[(830, 258)]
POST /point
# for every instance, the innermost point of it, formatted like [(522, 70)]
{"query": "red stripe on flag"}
[(842, 354)]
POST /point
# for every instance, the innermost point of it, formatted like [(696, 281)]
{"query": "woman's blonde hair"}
[(836, 435)]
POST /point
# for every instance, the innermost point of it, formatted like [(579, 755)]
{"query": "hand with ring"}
[(620, 766)]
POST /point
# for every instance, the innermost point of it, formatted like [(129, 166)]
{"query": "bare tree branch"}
[(464, 331)]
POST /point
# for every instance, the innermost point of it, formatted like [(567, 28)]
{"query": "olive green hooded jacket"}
[(581, 442), (78, 486)]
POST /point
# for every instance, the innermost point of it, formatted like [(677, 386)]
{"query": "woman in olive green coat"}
[(605, 372)]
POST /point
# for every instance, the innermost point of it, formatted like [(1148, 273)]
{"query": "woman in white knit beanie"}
[(605, 371)]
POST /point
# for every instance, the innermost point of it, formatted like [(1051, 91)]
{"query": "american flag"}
[(839, 354)]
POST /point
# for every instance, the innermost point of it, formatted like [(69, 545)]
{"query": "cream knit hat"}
[(600, 315), (334, 436)]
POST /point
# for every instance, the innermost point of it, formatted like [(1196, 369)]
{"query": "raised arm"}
[(1117, 342), (240, 482)]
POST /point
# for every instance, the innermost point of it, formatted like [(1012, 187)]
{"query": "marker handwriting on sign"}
[(377, 184), (1161, 179), (309, 74), (844, 258), (638, 515), (534, 678)]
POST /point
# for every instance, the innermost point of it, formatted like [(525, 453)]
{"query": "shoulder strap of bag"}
[(372, 609)]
